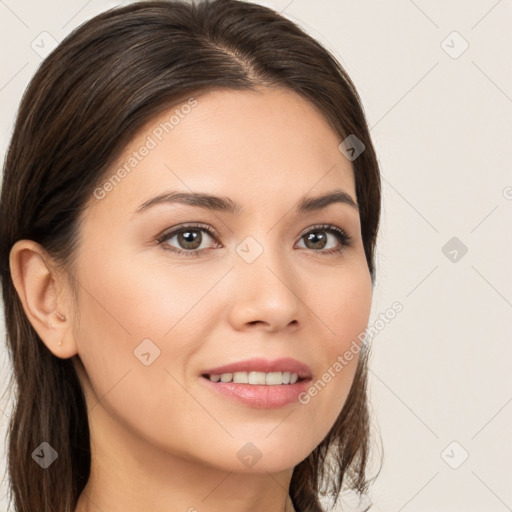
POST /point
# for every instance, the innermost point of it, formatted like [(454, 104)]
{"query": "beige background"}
[(441, 120)]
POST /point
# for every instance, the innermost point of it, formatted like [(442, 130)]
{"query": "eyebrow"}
[(225, 204)]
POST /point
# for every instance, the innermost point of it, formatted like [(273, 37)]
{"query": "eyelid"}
[(167, 233)]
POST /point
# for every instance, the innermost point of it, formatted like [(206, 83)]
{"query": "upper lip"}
[(286, 364)]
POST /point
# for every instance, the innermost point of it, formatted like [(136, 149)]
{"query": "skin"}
[(160, 439)]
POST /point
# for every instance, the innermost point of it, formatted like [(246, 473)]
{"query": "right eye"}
[(189, 237)]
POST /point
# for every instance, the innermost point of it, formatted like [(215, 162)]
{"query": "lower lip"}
[(260, 396)]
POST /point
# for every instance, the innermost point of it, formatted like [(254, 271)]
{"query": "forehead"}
[(257, 147)]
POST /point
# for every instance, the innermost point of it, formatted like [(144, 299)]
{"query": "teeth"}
[(257, 378), (240, 378)]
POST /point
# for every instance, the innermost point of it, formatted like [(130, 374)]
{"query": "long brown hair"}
[(87, 100)]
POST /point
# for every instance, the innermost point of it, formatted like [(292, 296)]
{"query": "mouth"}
[(256, 389), (260, 372), (259, 383)]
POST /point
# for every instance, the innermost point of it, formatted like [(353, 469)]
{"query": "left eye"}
[(318, 238)]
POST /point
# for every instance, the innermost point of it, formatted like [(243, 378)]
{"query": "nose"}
[(266, 293)]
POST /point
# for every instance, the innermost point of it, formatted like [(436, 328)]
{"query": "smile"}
[(256, 378)]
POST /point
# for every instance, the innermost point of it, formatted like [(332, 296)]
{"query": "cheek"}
[(345, 311), (135, 299), (341, 304), (142, 397), (129, 309)]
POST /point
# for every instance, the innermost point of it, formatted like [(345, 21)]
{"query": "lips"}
[(296, 377), (286, 364)]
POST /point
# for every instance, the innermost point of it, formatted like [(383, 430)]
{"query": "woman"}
[(190, 207)]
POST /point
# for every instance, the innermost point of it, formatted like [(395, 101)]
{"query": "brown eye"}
[(317, 239), (188, 239)]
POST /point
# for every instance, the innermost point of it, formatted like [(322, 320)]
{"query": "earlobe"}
[(39, 287)]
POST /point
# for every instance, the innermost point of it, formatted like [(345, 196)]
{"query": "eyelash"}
[(344, 238)]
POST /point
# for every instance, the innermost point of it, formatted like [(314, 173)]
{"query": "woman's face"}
[(265, 283)]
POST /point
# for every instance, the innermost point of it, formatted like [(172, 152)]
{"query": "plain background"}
[(441, 120)]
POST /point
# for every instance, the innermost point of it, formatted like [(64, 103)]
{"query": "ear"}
[(40, 289)]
